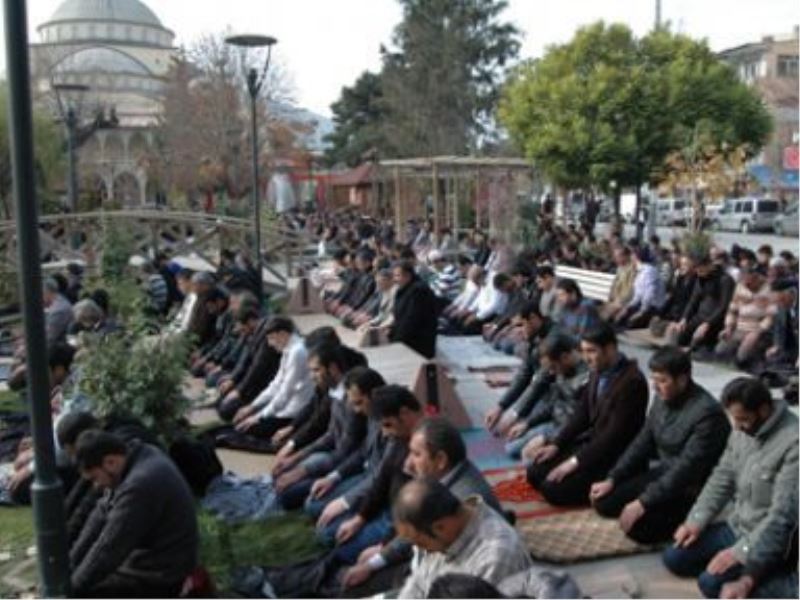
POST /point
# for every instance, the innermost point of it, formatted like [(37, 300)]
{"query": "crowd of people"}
[(392, 493)]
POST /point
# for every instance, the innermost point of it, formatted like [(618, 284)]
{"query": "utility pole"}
[(46, 491), (658, 15)]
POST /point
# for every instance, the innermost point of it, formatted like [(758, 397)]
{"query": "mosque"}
[(122, 52)]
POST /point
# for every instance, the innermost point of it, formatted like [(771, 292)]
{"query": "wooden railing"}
[(80, 237)]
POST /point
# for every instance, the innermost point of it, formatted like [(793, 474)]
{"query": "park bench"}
[(594, 284)]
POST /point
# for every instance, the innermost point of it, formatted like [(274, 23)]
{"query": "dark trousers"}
[(266, 428), (659, 522), (117, 585), (573, 490), (692, 561), (709, 340), (388, 579), (632, 318), (228, 409), (294, 496)]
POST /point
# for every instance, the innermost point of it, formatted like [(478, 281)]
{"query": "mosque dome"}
[(126, 11), (104, 21)]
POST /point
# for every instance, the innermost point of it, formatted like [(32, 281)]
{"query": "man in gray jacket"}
[(658, 478), (750, 553), (141, 541)]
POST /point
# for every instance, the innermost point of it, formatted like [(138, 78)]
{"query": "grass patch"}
[(16, 536), (11, 401), (279, 540)]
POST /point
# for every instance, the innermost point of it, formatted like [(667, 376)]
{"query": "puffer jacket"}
[(759, 475)]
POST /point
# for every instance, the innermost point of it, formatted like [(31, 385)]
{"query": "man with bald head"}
[(454, 536)]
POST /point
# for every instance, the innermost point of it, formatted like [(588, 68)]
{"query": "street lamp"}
[(70, 119), (46, 490), (255, 81)]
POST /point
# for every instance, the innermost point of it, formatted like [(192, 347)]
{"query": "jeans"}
[(514, 447), (692, 561), (294, 496), (314, 507), (373, 532)]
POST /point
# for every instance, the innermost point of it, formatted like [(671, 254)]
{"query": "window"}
[(787, 66), (747, 207), (768, 206)]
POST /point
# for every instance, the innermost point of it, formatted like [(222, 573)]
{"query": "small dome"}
[(106, 60), (127, 11)]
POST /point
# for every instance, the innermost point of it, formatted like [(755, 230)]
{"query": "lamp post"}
[(46, 490), (70, 119), (255, 81)]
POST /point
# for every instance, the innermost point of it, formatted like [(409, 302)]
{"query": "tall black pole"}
[(46, 493), (253, 88), (72, 176)]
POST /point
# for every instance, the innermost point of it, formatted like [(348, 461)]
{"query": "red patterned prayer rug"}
[(515, 493)]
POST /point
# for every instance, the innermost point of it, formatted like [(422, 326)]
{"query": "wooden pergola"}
[(490, 186)]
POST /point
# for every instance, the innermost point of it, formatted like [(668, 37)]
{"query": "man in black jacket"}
[(142, 538), (255, 368), (536, 327), (345, 432), (415, 319), (704, 316), (684, 435), (607, 418)]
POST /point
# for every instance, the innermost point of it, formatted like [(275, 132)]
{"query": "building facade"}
[(121, 52), (771, 66)]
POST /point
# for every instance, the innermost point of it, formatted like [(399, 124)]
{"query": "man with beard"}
[(752, 553), (658, 478)]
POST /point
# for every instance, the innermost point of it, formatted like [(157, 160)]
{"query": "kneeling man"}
[(141, 540), (753, 552), (658, 478)]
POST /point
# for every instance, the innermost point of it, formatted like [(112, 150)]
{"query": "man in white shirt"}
[(490, 303), (289, 391)]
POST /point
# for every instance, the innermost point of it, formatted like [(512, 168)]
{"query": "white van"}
[(747, 214), (672, 211)]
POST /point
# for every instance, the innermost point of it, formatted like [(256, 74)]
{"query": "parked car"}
[(787, 223), (747, 214), (672, 211)]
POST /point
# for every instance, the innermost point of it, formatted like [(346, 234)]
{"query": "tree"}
[(706, 168), (204, 130), (358, 116), (49, 153), (608, 107), (441, 81)]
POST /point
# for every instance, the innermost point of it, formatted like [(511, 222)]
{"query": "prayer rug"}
[(516, 494), (485, 450), (577, 536), (498, 379)]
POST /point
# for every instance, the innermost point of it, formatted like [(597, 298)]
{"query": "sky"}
[(327, 44)]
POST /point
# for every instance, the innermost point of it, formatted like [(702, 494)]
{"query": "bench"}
[(594, 284)]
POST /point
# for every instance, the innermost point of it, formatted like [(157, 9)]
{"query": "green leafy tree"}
[(49, 154), (358, 116), (441, 80), (609, 107)]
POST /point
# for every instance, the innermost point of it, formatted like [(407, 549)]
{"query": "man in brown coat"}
[(608, 416)]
